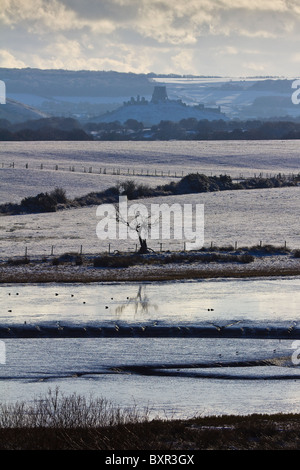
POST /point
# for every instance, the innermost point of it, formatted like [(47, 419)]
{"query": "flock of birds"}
[(84, 302), (128, 298)]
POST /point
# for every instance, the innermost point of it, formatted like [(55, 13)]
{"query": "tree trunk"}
[(143, 246)]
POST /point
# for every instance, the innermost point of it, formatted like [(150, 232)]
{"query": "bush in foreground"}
[(58, 422), (55, 410)]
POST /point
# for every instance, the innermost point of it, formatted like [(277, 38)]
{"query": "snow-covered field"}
[(245, 217), (248, 217), (154, 162)]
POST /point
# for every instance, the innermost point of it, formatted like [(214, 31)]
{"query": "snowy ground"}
[(248, 217), (269, 216), (148, 163)]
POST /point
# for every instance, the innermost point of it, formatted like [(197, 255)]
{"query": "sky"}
[(199, 37)]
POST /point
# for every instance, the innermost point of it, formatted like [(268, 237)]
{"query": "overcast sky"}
[(202, 37)]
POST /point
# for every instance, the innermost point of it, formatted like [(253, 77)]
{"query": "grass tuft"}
[(58, 422)]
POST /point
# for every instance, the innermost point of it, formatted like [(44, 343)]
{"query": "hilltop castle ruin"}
[(160, 96), (161, 108)]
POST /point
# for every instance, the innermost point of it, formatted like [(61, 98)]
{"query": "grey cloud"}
[(198, 36), (93, 10)]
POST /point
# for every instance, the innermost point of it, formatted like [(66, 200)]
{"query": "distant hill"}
[(91, 95), (80, 94), (83, 83), (15, 112), (151, 114)]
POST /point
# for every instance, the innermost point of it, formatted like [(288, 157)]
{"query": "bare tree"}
[(139, 223)]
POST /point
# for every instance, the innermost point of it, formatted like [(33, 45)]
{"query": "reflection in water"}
[(139, 305), (218, 302)]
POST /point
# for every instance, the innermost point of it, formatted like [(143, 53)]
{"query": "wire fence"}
[(134, 171), (113, 248), (100, 170)]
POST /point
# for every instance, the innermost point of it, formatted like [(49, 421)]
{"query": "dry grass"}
[(73, 423)]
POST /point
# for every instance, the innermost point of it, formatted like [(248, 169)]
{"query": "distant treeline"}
[(191, 184), (43, 129), (59, 128), (193, 129)]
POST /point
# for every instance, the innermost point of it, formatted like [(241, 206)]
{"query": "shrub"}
[(246, 258), (56, 410), (199, 183), (128, 189), (114, 261), (79, 260), (269, 249), (18, 262), (43, 202), (135, 191), (59, 195), (68, 258)]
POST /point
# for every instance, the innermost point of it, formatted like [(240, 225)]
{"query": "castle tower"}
[(159, 94)]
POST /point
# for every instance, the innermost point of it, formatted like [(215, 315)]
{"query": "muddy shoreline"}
[(72, 274)]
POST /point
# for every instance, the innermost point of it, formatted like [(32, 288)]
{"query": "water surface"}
[(174, 377)]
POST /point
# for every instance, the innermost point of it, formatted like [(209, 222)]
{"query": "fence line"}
[(154, 172), (157, 247), (101, 170)]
